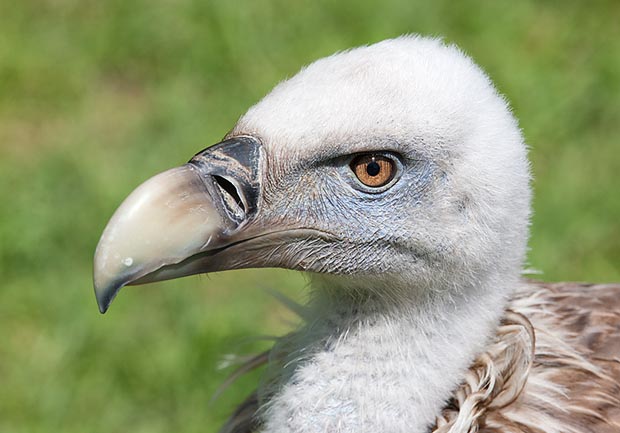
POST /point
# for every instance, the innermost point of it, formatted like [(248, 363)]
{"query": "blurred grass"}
[(96, 96)]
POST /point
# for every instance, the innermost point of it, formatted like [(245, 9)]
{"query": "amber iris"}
[(373, 170)]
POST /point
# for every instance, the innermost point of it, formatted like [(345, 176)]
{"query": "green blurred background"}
[(96, 96)]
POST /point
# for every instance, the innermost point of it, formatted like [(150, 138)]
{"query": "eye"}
[(373, 170)]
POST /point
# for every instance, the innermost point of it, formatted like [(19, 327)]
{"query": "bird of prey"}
[(397, 178)]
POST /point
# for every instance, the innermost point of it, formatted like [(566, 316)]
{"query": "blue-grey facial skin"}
[(355, 229)]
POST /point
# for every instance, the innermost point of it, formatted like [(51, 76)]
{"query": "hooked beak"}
[(174, 222)]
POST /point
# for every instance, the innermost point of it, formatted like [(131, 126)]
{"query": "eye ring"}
[(374, 170)]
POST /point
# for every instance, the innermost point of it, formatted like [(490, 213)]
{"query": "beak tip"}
[(103, 306), (105, 296)]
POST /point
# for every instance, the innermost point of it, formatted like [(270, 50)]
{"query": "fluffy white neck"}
[(371, 365)]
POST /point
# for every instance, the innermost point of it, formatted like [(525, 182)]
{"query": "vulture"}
[(396, 177)]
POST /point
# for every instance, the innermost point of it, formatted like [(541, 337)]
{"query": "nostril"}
[(230, 190)]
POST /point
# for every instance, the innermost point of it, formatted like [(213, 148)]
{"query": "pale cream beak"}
[(151, 229), (161, 229)]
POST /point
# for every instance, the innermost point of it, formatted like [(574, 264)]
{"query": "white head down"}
[(456, 212)]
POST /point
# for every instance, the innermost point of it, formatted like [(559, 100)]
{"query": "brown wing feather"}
[(587, 318), (591, 312), (554, 367), (572, 383)]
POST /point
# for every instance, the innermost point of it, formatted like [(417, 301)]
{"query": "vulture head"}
[(393, 174), (396, 166)]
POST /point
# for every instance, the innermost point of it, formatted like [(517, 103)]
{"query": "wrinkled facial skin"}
[(369, 230)]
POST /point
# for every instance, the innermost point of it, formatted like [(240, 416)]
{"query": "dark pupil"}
[(373, 168)]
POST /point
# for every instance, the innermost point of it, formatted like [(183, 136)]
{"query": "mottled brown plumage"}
[(554, 366)]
